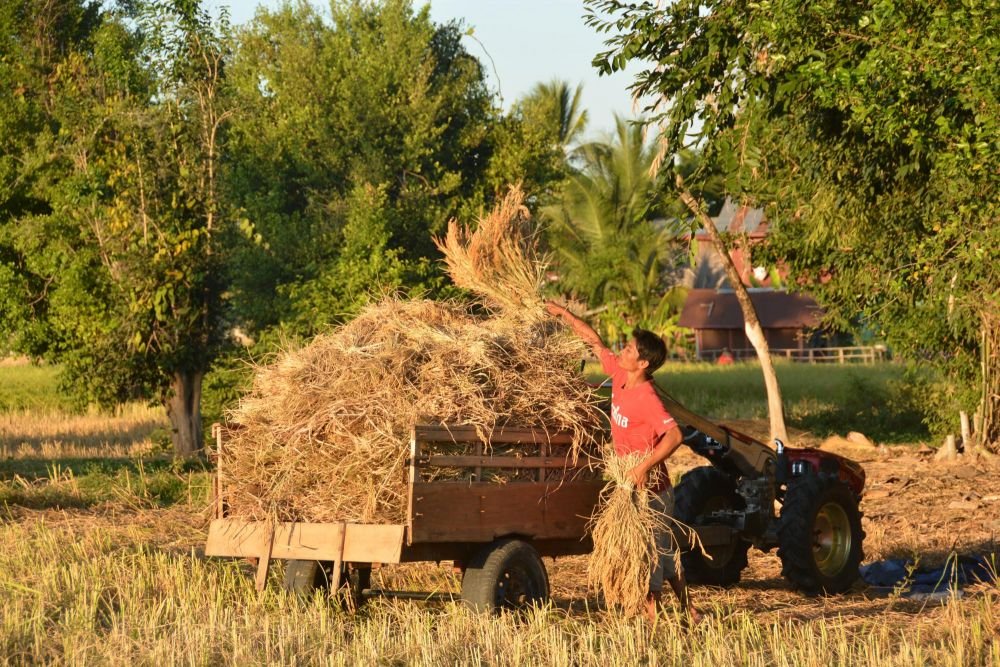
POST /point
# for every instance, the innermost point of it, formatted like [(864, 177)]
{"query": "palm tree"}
[(558, 108), (610, 250)]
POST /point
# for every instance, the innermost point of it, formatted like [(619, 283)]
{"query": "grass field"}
[(819, 400), (27, 387), (101, 538)]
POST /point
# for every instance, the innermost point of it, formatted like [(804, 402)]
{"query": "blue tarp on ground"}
[(922, 581)]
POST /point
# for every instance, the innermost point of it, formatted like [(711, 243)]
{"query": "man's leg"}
[(653, 599), (670, 562), (680, 589), (662, 540)]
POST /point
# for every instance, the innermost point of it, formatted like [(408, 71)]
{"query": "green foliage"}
[(870, 130), (366, 134), (885, 406), (365, 266), (41, 44), (229, 377), (554, 108), (532, 142)]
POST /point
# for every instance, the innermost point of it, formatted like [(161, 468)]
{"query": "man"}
[(640, 424)]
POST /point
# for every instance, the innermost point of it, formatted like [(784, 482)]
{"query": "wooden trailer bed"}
[(522, 484)]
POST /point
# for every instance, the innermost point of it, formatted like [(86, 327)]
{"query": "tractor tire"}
[(699, 492), (506, 575), (819, 535), (306, 577)]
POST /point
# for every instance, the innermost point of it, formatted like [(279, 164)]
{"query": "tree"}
[(897, 156), (38, 41), (694, 95), (127, 250), (533, 142), (555, 107), (375, 127), (870, 130), (751, 323)]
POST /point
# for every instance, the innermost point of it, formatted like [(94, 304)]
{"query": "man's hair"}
[(651, 349)]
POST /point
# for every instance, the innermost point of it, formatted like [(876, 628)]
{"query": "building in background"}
[(790, 320)]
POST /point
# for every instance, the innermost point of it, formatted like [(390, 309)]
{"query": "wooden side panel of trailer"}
[(555, 507), (350, 542), (460, 512)]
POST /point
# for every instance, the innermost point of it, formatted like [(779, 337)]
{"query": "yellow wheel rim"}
[(831, 539)]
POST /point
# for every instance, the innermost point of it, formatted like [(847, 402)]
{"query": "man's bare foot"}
[(652, 605)]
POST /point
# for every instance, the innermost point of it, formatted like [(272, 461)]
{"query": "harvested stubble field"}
[(101, 564)]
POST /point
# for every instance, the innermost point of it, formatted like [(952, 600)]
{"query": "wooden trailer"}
[(504, 504)]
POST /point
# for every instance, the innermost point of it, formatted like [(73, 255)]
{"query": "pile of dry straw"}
[(323, 433)]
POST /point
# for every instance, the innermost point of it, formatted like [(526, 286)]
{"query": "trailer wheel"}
[(305, 577), (820, 536), (701, 491), (508, 574)]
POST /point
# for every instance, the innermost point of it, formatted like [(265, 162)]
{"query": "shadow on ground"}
[(41, 484), (115, 435)]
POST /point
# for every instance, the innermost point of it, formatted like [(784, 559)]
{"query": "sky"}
[(529, 41)]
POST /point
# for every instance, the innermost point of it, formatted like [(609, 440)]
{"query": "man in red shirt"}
[(640, 424)]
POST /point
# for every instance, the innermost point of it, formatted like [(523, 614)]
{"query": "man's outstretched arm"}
[(581, 328)]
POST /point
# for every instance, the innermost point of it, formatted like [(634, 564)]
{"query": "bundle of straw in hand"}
[(623, 529)]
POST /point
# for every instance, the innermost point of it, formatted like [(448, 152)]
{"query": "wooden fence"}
[(815, 355)]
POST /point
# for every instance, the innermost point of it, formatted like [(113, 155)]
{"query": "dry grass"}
[(133, 590), (498, 260), (123, 583), (55, 434), (323, 433)]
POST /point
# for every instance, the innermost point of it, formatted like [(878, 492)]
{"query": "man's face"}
[(629, 358)]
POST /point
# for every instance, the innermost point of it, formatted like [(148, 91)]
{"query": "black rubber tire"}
[(702, 490), (809, 503), (506, 575), (305, 577)]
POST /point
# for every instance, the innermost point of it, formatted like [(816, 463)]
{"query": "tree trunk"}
[(755, 333), (184, 410), (988, 431)]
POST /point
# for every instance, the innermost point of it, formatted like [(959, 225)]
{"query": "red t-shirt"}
[(638, 418)]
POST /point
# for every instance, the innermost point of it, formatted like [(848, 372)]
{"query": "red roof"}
[(712, 309)]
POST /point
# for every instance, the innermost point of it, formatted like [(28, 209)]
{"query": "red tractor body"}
[(731, 506)]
